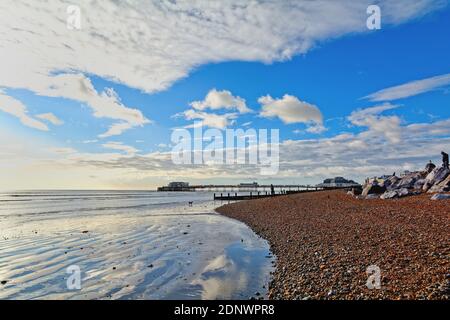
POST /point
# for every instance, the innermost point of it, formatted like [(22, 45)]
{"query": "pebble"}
[(326, 240)]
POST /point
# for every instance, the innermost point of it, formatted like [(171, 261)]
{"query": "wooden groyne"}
[(258, 195)]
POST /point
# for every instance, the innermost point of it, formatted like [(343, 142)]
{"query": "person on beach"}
[(272, 189), (444, 159)]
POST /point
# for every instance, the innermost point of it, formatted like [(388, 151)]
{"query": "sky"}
[(95, 107)]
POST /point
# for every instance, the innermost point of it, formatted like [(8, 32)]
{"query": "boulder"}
[(430, 167), (397, 193), (419, 184), (440, 196), (355, 192), (390, 182), (442, 186), (436, 176), (373, 188), (389, 195), (408, 181)]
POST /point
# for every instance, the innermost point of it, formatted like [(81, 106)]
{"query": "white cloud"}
[(216, 100), (106, 104), (316, 129), (292, 110), (385, 126), (151, 44), (354, 156), (219, 121), (410, 89), (129, 150), (19, 110), (50, 117)]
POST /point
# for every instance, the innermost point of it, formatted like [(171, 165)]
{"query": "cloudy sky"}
[(94, 108)]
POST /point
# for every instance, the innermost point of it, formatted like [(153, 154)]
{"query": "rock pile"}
[(432, 180)]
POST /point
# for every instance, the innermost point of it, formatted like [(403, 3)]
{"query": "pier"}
[(235, 188)]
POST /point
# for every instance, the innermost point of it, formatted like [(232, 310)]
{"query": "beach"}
[(325, 242), (127, 245)]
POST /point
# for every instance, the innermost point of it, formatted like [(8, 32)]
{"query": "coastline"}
[(325, 241)]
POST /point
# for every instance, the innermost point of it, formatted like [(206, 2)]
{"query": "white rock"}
[(440, 196), (435, 177)]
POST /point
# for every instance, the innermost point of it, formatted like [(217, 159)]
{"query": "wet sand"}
[(325, 241), (127, 247)]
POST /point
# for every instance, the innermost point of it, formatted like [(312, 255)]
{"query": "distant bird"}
[(190, 203)]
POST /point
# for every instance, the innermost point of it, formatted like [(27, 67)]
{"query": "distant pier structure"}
[(254, 188), (177, 186)]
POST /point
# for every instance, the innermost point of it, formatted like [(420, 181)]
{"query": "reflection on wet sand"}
[(163, 252)]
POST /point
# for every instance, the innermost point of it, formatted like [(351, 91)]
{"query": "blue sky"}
[(333, 74)]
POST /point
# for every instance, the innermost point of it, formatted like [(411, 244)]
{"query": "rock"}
[(389, 195), (419, 184), (404, 192), (373, 188), (373, 196), (4, 282), (436, 176), (396, 194), (443, 186), (355, 192), (430, 167), (408, 181), (440, 196), (390, 182)]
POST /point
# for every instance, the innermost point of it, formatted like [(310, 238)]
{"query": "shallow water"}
[(128, 245)]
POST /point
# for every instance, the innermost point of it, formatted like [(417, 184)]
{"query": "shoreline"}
[(324, 242)]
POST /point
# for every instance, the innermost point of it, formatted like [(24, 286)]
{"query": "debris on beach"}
[(432, 179)]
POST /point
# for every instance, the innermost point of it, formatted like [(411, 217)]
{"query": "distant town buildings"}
[(176, 186), (337, 183)]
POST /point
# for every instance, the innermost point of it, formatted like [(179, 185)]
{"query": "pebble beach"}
[(325, 241)]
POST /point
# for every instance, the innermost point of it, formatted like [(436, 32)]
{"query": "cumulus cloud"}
[(292, 110), (219, 121), (410, 89), (224, 99), (50, 117), (378, 124)]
